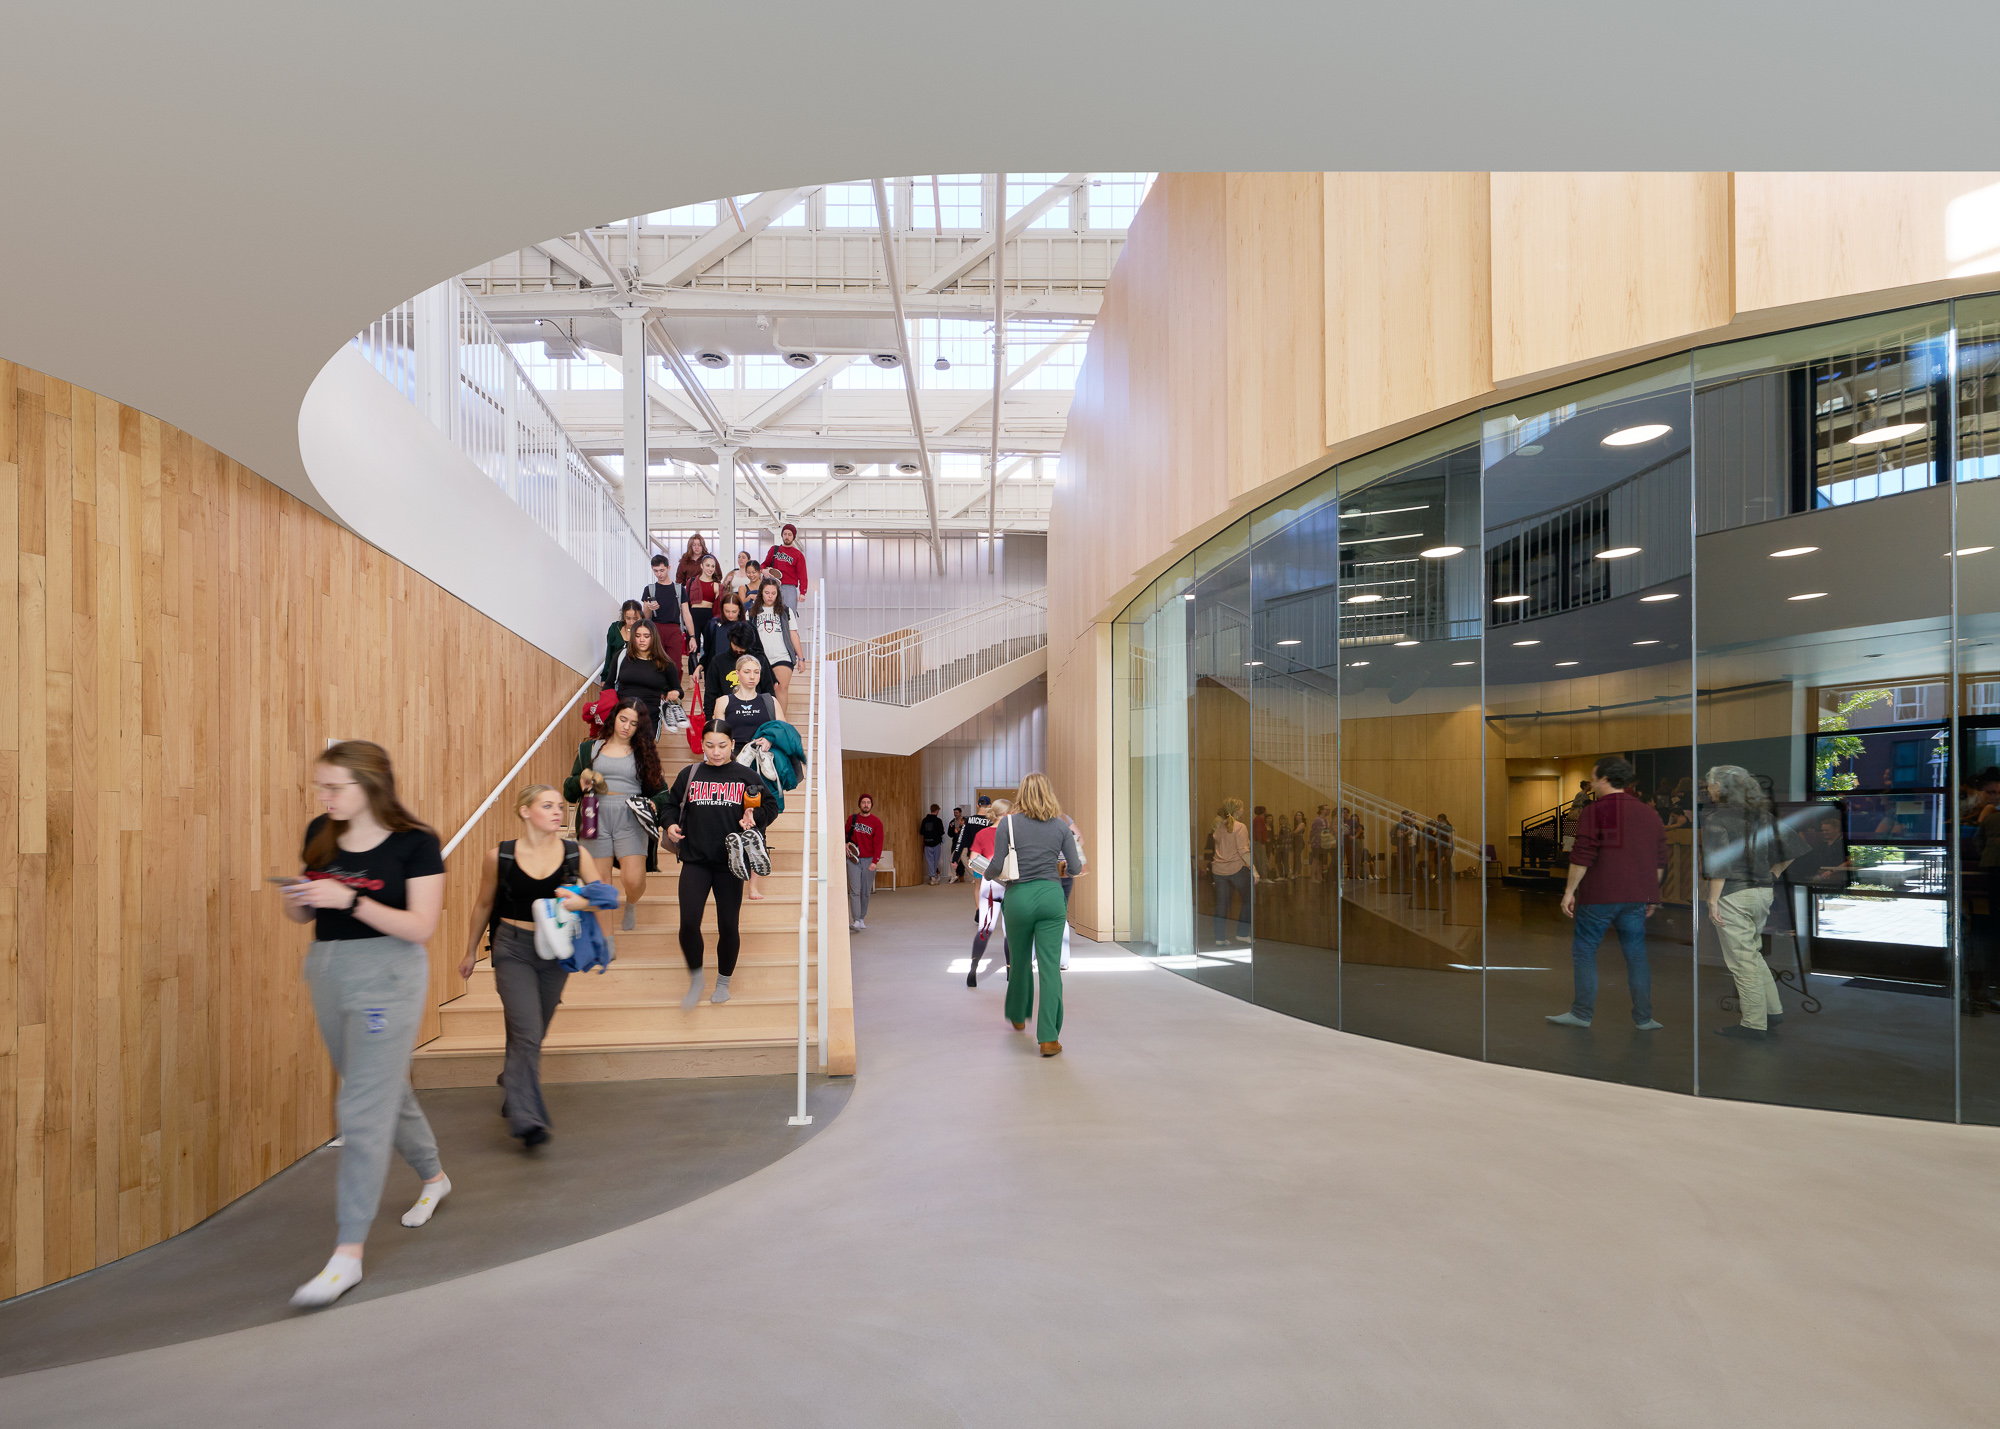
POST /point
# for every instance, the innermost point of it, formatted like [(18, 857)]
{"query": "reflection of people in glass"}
[(1743, 851), (1824, 862), (1980, 949), (1614, 882), (1232, 870)]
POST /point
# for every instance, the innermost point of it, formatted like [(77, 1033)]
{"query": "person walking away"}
[(988, 912), (631, 615), (931, 830), (646, 675), (1040, 840), (707, 803), (1233, 870), (618, 768), (787, 562), (981, 819), (1069, 873), (864, 849), (951, 833), (775, 641), (1744, 851), (538, 864), (372, 887), (1614, 882), (661, 602), (702, 594)]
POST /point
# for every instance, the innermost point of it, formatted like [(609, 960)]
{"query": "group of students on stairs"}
[(372, 876)]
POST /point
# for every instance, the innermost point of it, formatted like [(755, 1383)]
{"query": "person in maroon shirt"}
[(1614, 882), (864, 846), (788, 563)]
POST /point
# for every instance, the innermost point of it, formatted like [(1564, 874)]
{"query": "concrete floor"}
[(1203, 1213)]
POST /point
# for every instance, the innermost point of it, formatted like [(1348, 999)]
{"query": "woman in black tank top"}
[(743, 717), (535, 866)]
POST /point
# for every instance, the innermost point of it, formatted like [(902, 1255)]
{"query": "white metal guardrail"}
[(440, 351), (907, 667), (812, 878)]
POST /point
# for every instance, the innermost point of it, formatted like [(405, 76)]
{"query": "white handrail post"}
[(820, 696), (805, 894)]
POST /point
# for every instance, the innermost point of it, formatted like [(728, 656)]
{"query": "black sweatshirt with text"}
[(706, 800)]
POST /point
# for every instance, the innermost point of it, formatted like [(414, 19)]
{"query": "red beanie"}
[(788, 526)]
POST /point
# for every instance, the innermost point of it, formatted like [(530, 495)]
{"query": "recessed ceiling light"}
[(1248, 663), (1633, 436), (1508, 599), (1356, 664), (1809, 595), (1527, 642), (1401, 643), (1561, 663), (1437, 552), (1188, 596), (1456, 663), (1794, 551), (1645, 642), (1880, 435), (1617, 553), (1291, 642), (1970, 550), (1362, 599), (1385, 511), (1664, 595)]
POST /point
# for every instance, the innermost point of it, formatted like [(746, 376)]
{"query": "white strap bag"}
[(1010, 866)]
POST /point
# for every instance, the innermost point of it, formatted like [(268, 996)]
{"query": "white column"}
[(632, 336), (725, 507)]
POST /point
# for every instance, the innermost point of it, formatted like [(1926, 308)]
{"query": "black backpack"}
[(571, 872)]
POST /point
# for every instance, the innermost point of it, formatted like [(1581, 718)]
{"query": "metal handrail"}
[(522, 763), (814, 747), (890, 669)]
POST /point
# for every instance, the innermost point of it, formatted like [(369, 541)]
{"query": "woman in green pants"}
[(1040, 839)]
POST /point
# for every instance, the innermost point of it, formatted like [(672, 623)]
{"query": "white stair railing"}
[(812, 878), (909, 666)]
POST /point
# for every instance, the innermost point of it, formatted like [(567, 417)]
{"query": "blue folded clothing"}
[(590, 950)]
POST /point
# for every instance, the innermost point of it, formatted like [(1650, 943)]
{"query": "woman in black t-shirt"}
[(646, 674), (373, 888)]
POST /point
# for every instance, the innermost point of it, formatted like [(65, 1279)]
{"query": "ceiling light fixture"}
[(1440, 552), (1531, 449), (1401, 643), (1561, 663), (1793, 551), (1645, 642), (1970, 550), (1634, 436), (1664, 595), (1527, 642), (1885, 434), (1188, 596), (1356, 664), (1371, 540), (1457, 663), (1248, 663), (1385, 511), (1618, 553), (1809, 595), (1508, 599), (1362, 599), (1291, 642)]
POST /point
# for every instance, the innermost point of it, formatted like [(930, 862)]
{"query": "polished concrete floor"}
[(1202, 1213)]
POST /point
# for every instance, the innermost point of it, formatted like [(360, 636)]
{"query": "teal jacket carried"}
[(788, 758)]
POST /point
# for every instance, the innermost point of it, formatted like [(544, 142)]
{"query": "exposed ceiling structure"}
[(770, 329)]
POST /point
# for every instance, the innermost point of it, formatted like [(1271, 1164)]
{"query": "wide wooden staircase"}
[(627, 1022)]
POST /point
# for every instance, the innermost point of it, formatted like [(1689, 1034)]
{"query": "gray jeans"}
[(860, 888), (531, 989), (368, 994)]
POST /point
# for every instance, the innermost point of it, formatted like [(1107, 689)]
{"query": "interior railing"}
[(813, 876), (906, 667), (443, 353)]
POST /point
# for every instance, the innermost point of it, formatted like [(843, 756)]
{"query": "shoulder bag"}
[(1010, 866)]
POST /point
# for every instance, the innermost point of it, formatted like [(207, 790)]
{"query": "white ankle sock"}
[(433, 1192), (342, 1274)]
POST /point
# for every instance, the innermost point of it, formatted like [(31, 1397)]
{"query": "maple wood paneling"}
[(897, 784), (178, 639)]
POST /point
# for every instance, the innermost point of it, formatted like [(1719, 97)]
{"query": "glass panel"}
[(1824, 656), (1977, 569), (1158, 816), (1223, 789), (1410, 831), (1588, 638)]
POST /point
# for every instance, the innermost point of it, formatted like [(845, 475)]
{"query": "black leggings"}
[(697, 879), (701, 619)]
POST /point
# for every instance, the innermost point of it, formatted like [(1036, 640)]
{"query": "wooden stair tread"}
[(490, 1002), (558, 1041)]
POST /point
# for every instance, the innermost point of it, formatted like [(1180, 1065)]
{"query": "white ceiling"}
[(203, 201)]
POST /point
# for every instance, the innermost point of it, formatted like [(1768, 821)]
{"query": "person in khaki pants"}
[(1743, 851)]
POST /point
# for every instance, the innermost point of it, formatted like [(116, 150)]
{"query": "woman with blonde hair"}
[(1040, 839), (1743, 851), (373, 888), (539, 864)]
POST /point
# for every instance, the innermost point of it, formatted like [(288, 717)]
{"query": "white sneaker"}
[(853, 925), (342, 1274)]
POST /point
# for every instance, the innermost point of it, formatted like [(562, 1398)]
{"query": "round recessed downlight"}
[(1665, 595), (1439, 552), (1527, 642), (1362, 599), (1508, 599), (1561, 663), (1291, 642), (1634, 436), (1618, 553), (1401, 643), (1793, 551), (1809, 595), (1645, 642), (1879, 435)]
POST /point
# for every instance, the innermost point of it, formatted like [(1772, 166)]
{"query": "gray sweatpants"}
[(531, 989), (368, 994), (860, 888)]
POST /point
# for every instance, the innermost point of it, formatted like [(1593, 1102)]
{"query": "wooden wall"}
[(1244, 305), (897, 783), (178, 638)]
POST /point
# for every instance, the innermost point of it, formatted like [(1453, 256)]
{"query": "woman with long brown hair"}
[(703, 591), (646, 674), (618, 768), (630, 615), (775, 641), (689, 565), (373, 886)]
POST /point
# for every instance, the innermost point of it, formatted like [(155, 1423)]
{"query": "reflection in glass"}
[(1219, 655)]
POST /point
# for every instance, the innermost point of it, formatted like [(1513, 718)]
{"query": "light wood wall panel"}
[(1276, 313), (897, 783), (1806, 236), (178, 638), (1590, 264), (1408, 292)]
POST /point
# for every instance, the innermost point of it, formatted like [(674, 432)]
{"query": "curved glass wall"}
[(1363, 727)]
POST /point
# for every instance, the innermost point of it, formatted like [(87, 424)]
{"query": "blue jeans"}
[(1238, 883), (1592, 921)]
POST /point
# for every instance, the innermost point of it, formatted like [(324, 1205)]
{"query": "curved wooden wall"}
[(1259, 326), (178, 638)]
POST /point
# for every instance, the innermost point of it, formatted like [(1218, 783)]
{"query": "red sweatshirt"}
[(790, 564), (1622, 845), (864, 831)]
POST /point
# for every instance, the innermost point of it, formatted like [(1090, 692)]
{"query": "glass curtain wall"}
[(1645, 729)]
